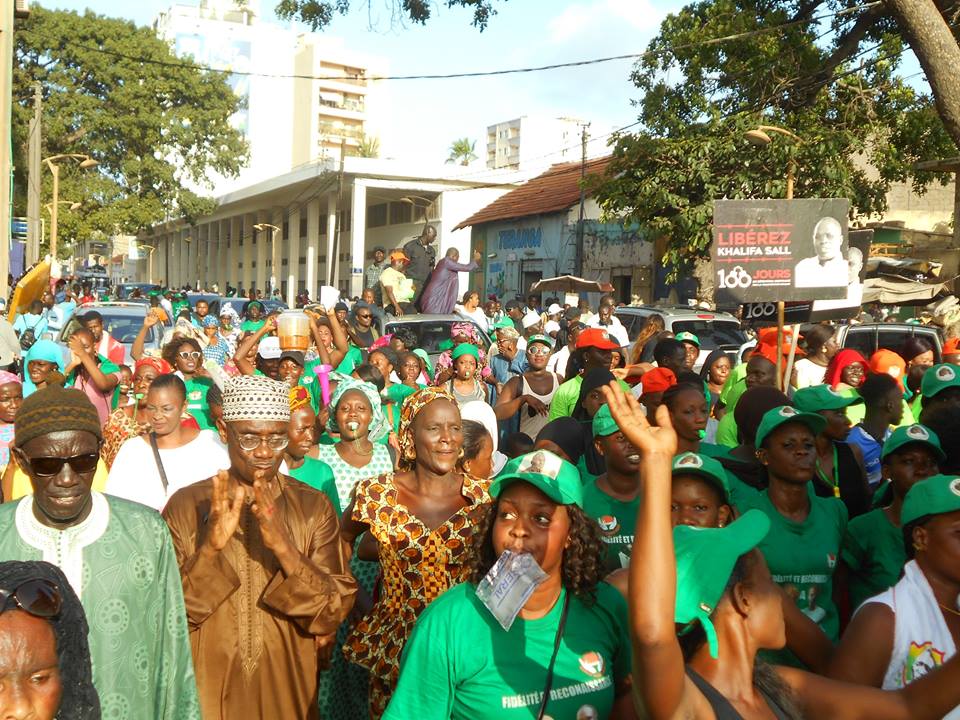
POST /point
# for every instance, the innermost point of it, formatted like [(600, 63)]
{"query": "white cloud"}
[(610, 15)]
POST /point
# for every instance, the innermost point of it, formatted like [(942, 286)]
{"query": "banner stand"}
[(781, 381)]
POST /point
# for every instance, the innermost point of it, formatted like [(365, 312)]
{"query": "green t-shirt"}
[(459, 664), (617, 520), (252, 325), (318, 475), (802, 557), (727, 431), (197, 402), (734, 387), (565, 398), (856, 413), (873, 549)]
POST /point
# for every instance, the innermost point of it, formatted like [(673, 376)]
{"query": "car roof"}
[(115, 308), (428, 317)]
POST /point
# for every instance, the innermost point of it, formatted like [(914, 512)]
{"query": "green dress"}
[(121, 563), (343, 688), (318, 475)]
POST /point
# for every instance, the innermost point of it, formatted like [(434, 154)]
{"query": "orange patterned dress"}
[(417, 565)]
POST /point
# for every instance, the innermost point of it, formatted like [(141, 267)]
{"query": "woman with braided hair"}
[(422, 517), (43, 645)]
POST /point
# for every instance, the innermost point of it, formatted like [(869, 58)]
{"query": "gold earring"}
[(916, 546), (460, 454)]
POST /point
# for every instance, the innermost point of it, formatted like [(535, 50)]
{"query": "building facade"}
[(529, 141)]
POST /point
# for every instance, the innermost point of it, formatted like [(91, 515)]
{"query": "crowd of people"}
[(544, 520)]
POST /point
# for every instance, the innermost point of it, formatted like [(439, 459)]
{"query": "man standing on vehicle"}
[(423, 256), (371, 276), (105, 344)]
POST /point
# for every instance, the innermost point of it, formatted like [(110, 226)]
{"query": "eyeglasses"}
[(189, 355), (49, 466), (538, 349), (249, 443), (38, 597), (364, 316)]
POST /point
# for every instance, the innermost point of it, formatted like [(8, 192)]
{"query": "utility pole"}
[(578, 264), (6, 161), (34, 180), (333, 263)]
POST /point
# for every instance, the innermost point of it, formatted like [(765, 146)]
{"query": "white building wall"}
[(531, 141)]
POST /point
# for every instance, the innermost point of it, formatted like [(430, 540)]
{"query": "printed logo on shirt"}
[(945, 373), (831, 560), (588, 712), (955, 486), (306, 380), (592, 664), (195, 395), (921, 659), (609, 525)]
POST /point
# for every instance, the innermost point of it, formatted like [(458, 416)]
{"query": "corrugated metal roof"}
[(555, 190)]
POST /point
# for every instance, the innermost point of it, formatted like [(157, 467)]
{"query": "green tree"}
[(152, 128), (318, 14), (369, 147), (833, 82), (462, 151)]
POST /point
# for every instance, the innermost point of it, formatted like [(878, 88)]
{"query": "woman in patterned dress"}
[(357, 455), (422, 518)]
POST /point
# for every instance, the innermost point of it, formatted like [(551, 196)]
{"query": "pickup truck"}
[(870, 337)]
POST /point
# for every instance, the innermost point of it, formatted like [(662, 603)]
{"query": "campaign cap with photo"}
[(773, 419), (938, 378), (596, 337), (269, 348), (556, 478), (687, 337), (705, 560), (542, 339), (915, 433), (823, 397), (689, 463), (935, 495)]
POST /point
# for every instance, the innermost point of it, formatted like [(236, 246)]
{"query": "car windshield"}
[(431, 333), (711, 333), (122, 327)]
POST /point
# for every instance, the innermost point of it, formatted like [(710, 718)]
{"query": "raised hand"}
[(632, 421), (224, 513), (150, 319), (272, 528)]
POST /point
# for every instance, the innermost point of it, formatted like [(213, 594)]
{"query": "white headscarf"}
[(479, 411)]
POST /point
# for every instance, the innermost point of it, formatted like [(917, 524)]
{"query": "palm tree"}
[(369, 147), (462, 151)]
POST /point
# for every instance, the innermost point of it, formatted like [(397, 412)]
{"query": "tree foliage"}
[(318, 14), (462, 151), (369, 147), (831, 80), (153, 129)]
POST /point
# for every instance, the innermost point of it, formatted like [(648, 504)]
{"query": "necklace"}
[(358, 451), (948, 609)]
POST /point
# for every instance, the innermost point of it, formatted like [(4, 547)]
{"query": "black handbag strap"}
[(156, 457), (548, 685)]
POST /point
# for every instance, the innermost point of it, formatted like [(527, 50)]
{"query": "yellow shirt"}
[(22, 486)]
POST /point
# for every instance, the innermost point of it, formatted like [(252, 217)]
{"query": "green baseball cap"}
[(552, 475), (603, 422), (936, 495), (542, 339), (687, 337), (938, 378), (773, 419), (689, 463), (504, 322), (823, 397), (912, 434), (705, 559)]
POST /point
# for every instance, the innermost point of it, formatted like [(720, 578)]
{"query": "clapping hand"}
[(224, 513), (630, 418), (272, 528)]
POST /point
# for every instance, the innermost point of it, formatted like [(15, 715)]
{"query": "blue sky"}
[(427, 115)]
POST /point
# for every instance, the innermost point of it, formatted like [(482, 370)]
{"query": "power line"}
[(481, 73)]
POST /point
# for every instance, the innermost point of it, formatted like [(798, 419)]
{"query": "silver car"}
[(122, 320)]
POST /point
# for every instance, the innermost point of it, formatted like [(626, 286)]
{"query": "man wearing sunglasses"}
[(116, 555), (264, 575)]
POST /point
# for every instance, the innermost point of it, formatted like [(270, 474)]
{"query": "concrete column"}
[(203, 254), (293, 257), (313, 244), (183, 253), (173, 238), (331, 233), (193, 259), (248, 240), (263, 242), (213, 253), (276, 249), (233, 265), (223, 231), (358, 237)]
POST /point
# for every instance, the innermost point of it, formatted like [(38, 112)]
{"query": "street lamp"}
[(85, 162), (760, 138), (262, 227)]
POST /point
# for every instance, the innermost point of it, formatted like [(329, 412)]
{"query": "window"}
[(400, 213), (377, 215)]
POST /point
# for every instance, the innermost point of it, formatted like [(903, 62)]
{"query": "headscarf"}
[(158, 364), (231, 313), (595, 378), (422, 354), (465, 329), (708, 363), (379, 425), (46, 350), (837, 364), (408, 412), (479, 411), (79, 700), (887, 362), (9, 377), (210, 321), (567, 434), (465, 349), (299, 397)]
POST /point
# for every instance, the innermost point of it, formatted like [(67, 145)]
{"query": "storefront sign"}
[(772, 250), (519, 238)]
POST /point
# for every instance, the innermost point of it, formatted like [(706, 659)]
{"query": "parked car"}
[(237, 303), (431, 330), (870, 337), (125, 289), (123, 321), (713, 329)]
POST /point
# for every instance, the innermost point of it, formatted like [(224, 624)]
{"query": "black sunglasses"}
[(38, 597), (53, 465)]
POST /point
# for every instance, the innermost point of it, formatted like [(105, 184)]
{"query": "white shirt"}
[(809, 373), (558, 361), (477, 315), (134, 475)]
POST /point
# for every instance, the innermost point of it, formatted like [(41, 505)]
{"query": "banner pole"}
[(781, 385), (795, 331)]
